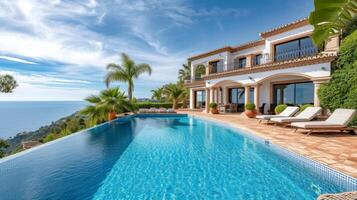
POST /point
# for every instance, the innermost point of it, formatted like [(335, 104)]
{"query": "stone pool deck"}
[(337, 150)]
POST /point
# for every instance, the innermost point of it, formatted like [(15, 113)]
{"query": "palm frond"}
[(330, 17), (142, 68)]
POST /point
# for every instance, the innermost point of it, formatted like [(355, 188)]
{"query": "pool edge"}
[(308, 162)]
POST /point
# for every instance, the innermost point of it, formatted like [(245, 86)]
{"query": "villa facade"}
[(283, 66)]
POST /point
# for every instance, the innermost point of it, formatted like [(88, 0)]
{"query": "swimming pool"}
[(165, 157)]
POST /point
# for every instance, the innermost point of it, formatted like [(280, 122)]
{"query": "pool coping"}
[(339, 177)]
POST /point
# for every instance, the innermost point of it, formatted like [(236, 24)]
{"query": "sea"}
[(20, 116)]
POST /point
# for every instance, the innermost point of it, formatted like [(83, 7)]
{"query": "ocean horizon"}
[(19, 116)]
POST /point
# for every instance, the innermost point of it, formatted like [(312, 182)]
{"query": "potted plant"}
[(213, 107), (250, 110)]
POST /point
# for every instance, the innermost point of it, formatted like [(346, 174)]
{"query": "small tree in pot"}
[(213, 107), (250, 110)]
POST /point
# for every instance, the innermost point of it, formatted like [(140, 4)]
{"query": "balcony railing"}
[(195, 79), (265, 58), (296, 53)]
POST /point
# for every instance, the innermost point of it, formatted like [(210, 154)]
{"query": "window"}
[(257, 60), (236, 63), (236, 96), (214, 67), (200, 99), (294, 93), (295, 49), (242, 62), (217, 66)]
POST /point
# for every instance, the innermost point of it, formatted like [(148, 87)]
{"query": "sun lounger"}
[(338, 121), (288, 112), (307, 115), (170, 110)]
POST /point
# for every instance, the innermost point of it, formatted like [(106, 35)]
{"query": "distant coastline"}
[(24, 116)]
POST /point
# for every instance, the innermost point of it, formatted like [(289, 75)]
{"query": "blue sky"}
[(58, 49)]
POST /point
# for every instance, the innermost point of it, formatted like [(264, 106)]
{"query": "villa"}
[(283, 66)]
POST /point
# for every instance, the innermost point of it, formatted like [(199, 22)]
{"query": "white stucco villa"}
[(283, 66)]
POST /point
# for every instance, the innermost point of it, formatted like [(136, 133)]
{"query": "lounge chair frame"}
[(351, 131)]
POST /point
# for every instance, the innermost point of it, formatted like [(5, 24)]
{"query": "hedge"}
[(341, 91), (280, 108), (303, 107), (154, 105)]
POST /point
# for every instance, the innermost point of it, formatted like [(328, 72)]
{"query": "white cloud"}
[(17, 60), (64, 32), (35, 87)]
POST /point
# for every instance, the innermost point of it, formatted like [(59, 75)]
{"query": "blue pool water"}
[(166, 157)]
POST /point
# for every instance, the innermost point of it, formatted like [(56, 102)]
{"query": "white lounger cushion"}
[(339, 119), (306, 115), (288, 112), (316, 124)]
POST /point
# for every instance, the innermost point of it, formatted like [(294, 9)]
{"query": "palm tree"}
[(7, 83), (126, 72), (331, 17), (109, 102), (175, 92), (185, 73), (158, 94)]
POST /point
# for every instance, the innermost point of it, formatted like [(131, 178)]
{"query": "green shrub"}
[(280, 108), (250, 106), (348, 51), (153, 105), (213, 105), (303, 107), (341, 91)]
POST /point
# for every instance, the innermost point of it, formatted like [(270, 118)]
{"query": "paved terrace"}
[(337, 150)]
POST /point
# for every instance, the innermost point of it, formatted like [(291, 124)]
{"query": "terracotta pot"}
[(251, 113), (214, 111), (111, 116)]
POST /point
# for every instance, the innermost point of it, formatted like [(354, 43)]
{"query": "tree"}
[(108, 102), (330, 17), (3, 145), (158, 94), (200, 70), (126, 72), (7, 83), (185, 72), (175, 93)]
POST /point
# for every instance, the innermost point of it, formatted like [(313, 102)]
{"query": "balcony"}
[(265, 59)]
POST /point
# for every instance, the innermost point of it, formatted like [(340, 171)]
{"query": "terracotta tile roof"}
[(261, 41), (213, 52), (229, 49), (285, 27)]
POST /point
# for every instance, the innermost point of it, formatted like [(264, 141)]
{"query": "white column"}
[(219, 95), (208, 99), (256, 97), (193, 70), (247, 94), (316, 96), (192, 99), (216, 95), (225, 95), (211, 91)]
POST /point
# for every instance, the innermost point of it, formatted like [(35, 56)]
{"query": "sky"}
[(59, 49)]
